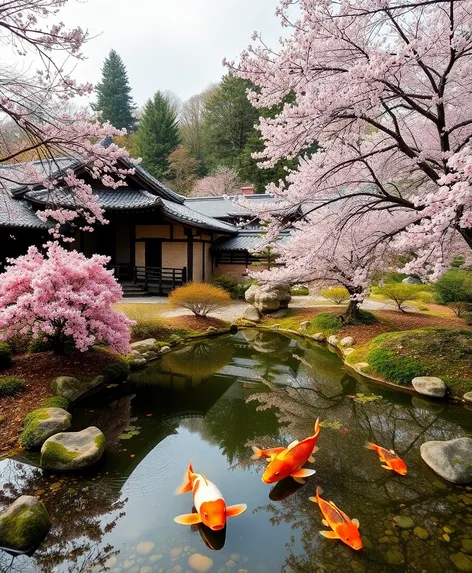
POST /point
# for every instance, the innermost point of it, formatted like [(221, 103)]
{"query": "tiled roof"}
[(244, 241), (108, 199), (12, 174), (185, 214), (155, 183), (224, 207), (18, 213)]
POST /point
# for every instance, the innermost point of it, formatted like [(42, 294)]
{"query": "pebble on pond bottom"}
[(200, 563)]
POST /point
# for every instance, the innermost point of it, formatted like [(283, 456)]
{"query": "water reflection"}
[(210, 401)]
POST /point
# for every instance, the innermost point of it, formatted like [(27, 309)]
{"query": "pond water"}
[(212, 400)]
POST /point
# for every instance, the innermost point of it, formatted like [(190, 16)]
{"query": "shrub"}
[(55, 402), (363, 317), (227, 283), (299, 290), (400, 369), (467, 318), (11, 385), (5, 355), (454, 288), (400, 293), (327, 322), (200, 298), (426, 296), (337, 294), (152, 327)]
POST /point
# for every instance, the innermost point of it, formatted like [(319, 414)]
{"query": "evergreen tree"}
[(114, 99), (229, 120), (158, 135)]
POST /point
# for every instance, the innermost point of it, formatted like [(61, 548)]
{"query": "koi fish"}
[(343, 528), (290, 460), (389, 458), (211, 508)]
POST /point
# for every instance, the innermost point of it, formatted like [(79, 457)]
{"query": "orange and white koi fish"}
[(389, 458), (343, 528), (289, 461), (211, 508)]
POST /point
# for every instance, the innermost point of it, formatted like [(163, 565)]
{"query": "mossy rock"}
[(55, 402), (42, 424), (24, 524), (72, 388), (73, 450)]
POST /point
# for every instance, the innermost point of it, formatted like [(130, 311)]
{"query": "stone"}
[(111, 562), (212, 330), (319, 336), (150, 355), (156, 557), (429, 386), (333, 340), (451, 459), (467, 545), (348, 351), (144, 345), (347, 341), (145, 547), (411, 281), (394, 557), (467, 397), (421, 533), (268, 297), (304, 324), (165, 349), (361, 366), (24, 524), (251, 313), (43, 423), (178, 569), (462, 562), (404, 521), (71, 388), (145, 569), (137, 363), (175, 552), (73, 450), (199, 562)]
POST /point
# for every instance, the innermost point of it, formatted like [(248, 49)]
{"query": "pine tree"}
[(114, 99), (158, 135)]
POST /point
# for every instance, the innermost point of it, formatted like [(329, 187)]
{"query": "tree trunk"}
[(352, 311)]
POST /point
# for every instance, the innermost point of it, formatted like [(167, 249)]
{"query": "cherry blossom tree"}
[(35, 120), (223, 181), (383, 86), (62, 296)]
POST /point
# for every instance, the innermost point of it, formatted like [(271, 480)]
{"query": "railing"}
[(159, 280)]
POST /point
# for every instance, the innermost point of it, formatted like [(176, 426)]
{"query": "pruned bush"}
[(228, 283), (11, 385), (454, 289), (327, 322), (200, 298), (299, 290), (336, 294), (400, 293), (5, 355)]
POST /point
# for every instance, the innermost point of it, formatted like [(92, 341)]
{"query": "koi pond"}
[(210, 402)]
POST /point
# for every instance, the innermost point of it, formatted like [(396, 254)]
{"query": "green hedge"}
[(11, 385)]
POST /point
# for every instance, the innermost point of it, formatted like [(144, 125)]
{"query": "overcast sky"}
[(175, 45)]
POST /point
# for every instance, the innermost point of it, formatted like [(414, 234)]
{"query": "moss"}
[(327, 322), (100, 441), (119, 369), (57, 454), (24, 527), (31, 423), (11, 385), (55, 402)]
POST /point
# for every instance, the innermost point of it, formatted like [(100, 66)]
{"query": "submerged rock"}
[(24, 524), (404, 521), (42, 424), (71, 388), (451, 459), (199, 562), (269, 297), (462, 562), (73, 450), (145, 547), (429, 386), (421, 533)]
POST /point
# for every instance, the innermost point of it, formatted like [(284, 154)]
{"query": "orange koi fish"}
[(343, 528), (289, 461), (389, 458), (211, 508)]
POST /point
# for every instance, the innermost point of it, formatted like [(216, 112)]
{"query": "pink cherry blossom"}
[(383, 86), (62, 295)]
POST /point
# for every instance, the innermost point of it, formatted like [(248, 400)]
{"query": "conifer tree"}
[(114, 99), (158, 135)]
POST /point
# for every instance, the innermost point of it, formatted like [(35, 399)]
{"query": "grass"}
[(400, 356), (11, 385), (327, 322)]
